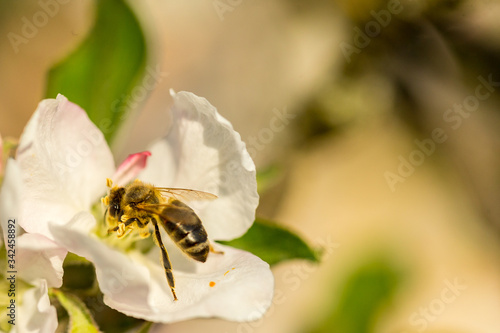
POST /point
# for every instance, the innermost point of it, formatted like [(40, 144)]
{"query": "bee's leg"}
[(116, 228), (164, 259), (113, 229), (144, 232), (214, 251), (121, 227), (129, 220), (143, 227)]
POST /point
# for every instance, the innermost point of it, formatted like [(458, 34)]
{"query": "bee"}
[(138, 204)]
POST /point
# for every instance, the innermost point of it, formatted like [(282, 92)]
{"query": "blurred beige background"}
[(352, 121)]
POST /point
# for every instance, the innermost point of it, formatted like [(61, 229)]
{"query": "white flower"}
[(65, 161), (35, 260)]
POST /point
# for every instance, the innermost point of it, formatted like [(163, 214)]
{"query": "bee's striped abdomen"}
[(185, 228)]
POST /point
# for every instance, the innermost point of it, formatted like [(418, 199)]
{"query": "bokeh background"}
[(340, 102)]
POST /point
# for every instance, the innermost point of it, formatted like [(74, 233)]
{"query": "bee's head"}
[(114, 202)]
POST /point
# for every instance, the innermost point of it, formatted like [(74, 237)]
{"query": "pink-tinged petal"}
[(64, 161), (10, 198), (35, 314), (40, 258), (130, 168), (203, 152), (36, 256)]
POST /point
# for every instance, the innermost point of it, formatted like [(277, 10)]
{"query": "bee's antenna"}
[(105, 202), (106, 214)]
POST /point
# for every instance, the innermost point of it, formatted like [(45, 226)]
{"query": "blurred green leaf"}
[(268, 177), (74, 259), (79, 273), (80, 319), (273, 243), (145, 327), (363, 297), (101, 73)]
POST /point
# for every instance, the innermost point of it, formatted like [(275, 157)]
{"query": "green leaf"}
[(80, 319), (79, 273), (268, 177), (273, 243), (101, 73), (363, 298), (145, 327)]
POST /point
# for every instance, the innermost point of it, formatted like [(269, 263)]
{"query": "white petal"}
[(123, 283), (235, 286), (36, 256), (39, 258), (130, 168), (64, 161), (136, 285), (36, 315), (203, 152), (10, 197)]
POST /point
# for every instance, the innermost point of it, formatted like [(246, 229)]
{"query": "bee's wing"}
[(184, 194), (152, 208), (183, 213)]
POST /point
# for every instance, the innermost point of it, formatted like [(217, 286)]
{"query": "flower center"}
[(131, 241)]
